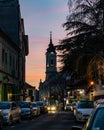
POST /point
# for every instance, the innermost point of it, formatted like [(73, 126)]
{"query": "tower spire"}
[(50, 37), (51, 47)]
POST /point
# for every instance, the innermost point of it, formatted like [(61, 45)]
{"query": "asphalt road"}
[(58, 121)]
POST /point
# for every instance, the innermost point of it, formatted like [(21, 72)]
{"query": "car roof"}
[(33, 102), (100, 105), (22, 102), (86, 101), (6, 102), (69, 104)]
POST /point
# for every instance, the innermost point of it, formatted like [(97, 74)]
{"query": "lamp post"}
[(91, 89)]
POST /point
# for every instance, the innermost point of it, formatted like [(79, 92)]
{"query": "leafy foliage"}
[(85, 27)]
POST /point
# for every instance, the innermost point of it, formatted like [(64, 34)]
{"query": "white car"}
[(10, 112), (83, 110), (35, 109), (95, 121)]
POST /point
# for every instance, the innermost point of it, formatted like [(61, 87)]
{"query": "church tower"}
[(51, 62)]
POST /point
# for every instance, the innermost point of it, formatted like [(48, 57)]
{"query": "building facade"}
[(8, 67), (13, 68)]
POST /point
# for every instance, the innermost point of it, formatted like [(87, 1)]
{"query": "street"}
[(58, 121)]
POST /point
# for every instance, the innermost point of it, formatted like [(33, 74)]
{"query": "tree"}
[(85, 30)]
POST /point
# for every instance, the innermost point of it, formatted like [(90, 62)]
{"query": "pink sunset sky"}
[(41, 17)]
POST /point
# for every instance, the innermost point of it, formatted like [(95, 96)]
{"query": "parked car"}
[(11, 112), (25, 109), (95, 121), (35, 109), (73, 106), (83, 110), (43, 107), (1, 119), (68, 107)]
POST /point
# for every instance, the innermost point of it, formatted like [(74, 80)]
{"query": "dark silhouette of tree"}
[(85, 27)]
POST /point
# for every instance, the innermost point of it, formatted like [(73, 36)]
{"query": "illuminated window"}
[(51, 63)]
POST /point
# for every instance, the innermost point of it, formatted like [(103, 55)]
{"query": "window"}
[(51, 64), (13, 62), (6, 58), (98, 123), (3, 53), (10, 60), (86, 104), (16, 64)]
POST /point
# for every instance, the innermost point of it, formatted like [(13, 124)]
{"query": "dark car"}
[(73, 106), (68, 107), (95, 121), (43, 107), (25, 109)]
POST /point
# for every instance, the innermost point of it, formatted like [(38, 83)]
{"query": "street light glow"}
[(92, 83)]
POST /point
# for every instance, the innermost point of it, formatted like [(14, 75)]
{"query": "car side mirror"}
[(76, 128)]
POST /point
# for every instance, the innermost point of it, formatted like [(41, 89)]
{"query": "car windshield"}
[(73, 104), (68, 105), (98, 123), (87, 104), (24, 104), (4, 105), (34, 105), (40, 103)]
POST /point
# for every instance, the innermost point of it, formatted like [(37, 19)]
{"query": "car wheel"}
[(1, 125), (31, 117), (77, 119), (19, 119), (38, 113), (10, 120)]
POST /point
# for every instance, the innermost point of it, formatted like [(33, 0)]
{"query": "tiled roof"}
[(28, 86)]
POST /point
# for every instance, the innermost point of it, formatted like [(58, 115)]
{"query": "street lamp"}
[(91, 86), (91, 89), (91, 83)]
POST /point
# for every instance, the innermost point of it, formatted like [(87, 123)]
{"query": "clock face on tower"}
[(52, 52)]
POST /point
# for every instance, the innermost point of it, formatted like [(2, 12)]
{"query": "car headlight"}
[(79, 112), (53, 108), (48, 108)]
